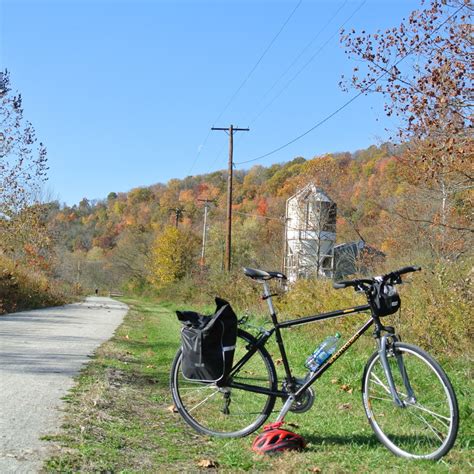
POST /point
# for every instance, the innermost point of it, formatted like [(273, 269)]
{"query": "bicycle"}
[(407, 397)]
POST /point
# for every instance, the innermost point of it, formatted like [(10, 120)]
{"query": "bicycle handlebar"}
[(392, 275), (407, 270), (345, 283)]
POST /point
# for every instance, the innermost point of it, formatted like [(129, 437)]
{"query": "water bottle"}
[(325, 350)]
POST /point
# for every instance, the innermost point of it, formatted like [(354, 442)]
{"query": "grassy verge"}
[(120, 416)]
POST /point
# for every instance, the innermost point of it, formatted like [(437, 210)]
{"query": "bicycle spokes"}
[(421, 426), (225, 410)]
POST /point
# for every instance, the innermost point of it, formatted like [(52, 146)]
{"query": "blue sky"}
[(123, 93)]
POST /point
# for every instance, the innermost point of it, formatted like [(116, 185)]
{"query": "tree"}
[(431, 91), (23, 167), (422, 68), (111, 196), (131, 257), (173, 254), (23, 163)]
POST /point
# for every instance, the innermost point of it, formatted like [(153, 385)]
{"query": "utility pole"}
[(204, 230), (178, 213), (228, 242)]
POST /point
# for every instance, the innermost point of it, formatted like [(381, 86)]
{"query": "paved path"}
[(40, 352)]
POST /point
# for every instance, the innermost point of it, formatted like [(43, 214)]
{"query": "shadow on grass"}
[(368, 440)]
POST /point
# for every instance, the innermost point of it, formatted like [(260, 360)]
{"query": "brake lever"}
[(397, 280)]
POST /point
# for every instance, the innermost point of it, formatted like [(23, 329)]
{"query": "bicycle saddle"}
[(262, 274)]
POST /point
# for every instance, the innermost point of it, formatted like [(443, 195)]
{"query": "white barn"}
[(310, 234)]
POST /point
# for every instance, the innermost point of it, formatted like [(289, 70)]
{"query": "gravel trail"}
[(40, 352)]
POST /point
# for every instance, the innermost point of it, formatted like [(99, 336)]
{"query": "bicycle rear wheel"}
[(426, 426), (224, 411)]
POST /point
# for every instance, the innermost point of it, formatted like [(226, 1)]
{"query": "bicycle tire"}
[(426, 427), (201, 404)]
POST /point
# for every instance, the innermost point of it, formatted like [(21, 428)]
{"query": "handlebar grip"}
[(347, 283), (408, 270)]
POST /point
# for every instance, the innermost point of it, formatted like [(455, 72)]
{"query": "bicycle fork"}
[(388, 372)]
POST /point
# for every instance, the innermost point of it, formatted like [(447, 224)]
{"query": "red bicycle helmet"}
[(274, 440)]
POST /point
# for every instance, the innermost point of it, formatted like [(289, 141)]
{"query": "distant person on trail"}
[(96, 291)]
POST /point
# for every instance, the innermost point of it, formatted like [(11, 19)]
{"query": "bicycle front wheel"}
[(227, 411), (426, 426)]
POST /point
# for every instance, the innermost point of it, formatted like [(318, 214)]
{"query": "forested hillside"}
[(134, 242), (132, 239)]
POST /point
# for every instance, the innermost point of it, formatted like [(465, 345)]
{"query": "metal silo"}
[(310, 234)]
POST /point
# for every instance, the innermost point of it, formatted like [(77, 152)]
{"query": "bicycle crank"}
[(305, 401)]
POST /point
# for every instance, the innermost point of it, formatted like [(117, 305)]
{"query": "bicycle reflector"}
[(274, 440)]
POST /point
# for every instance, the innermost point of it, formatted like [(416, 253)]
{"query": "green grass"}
[(120, 416)]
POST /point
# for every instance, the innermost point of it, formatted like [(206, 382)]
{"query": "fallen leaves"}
[(207, 463), (346, 388), (345, 406), (172, 409)]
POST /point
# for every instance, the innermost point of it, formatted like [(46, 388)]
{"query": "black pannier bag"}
[(385, 299), (208, 343)]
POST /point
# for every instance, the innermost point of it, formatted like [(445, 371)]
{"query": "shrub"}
[(436, 303), (436, 308), (22, 288)]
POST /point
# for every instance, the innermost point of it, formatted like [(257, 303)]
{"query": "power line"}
[(234, 95), (343, 106), (307, 63), (199, 152), (280, 220), (301, 53), (307, 131), (219, 153)]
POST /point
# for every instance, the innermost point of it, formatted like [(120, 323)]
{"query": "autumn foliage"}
[(172, 256), (410, 199)]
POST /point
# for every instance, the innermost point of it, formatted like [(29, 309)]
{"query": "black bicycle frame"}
[(277, 326)]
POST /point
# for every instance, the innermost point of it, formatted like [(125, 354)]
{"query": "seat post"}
[(268, 297)]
